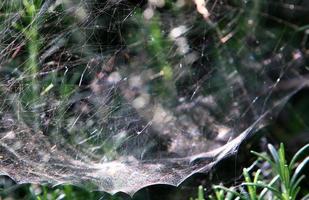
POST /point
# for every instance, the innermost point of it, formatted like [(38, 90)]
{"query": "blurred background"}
[(102, 81)]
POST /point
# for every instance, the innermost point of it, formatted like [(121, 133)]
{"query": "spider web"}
[(126, 94)]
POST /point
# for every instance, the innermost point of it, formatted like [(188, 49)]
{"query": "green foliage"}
[(284, 184), (286, 178), (29, 26), (200, 194), (64, 192)]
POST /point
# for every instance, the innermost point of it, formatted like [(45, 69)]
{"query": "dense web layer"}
[(117, 95)]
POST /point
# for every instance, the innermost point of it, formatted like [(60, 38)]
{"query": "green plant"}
[(28, 26), (64, 192), (284, 183), (287, 177), (200, 194)]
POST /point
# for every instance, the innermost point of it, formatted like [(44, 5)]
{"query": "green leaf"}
[(251, 189), (295, 186), (264, 157), (274, 153), (220, 187), (200, 193), (257, 175), (306, 197), (297, 155), (264, 191), (298, 170), (274, 190)]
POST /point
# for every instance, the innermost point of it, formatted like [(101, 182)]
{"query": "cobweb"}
[(118, 95)]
